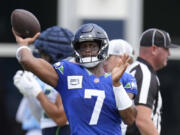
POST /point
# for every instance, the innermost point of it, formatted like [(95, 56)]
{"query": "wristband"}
[(18, 56), (122, 99)]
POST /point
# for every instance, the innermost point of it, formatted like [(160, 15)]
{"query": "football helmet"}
[(55, 42), (91, 33)]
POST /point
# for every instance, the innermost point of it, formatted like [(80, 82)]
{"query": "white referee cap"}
[(119, 47)]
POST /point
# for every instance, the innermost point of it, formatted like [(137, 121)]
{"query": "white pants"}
[(34, 132), (123, 128)]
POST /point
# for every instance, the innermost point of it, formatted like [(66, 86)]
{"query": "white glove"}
[(26, 83)]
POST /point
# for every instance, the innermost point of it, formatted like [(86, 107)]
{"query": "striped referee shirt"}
[(148, 92)]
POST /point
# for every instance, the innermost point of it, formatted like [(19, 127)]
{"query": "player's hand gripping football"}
[(26, 83), (119, 69), (25, 41)]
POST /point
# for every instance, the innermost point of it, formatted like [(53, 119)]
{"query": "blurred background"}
[(120, 18)]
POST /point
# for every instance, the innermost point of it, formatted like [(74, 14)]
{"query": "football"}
[(25, 23)]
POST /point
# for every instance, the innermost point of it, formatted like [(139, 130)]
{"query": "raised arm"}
[(124, 103), (38, 66)]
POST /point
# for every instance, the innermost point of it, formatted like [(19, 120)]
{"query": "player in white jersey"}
[(94, 102), (29, 123), (52, 45)]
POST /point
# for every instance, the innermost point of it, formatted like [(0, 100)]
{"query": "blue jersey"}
[(88, 100)]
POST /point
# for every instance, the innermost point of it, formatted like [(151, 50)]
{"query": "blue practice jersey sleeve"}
[(129, 83)]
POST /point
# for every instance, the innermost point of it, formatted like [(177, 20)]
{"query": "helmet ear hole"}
[(77, 58), (100, 57)]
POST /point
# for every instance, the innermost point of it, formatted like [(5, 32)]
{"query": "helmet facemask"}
[(93, 59)]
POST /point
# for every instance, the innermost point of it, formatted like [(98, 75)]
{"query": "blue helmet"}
[(91, 32), (55, 42)]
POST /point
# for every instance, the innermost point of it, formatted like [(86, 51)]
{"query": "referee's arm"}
[(143, 120)]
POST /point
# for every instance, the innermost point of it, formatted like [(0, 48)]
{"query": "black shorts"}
[(64, 130)]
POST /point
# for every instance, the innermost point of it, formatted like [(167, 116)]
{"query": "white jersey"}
[(51, 93)]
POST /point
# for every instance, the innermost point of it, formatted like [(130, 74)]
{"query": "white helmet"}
[(120, 47)]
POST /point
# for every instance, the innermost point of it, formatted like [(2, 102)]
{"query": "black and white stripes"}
[(148, 89)]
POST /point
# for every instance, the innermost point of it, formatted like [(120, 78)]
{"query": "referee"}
[(154, 51)]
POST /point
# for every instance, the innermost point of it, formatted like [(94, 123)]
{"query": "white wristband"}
[(18, 56), (122, 99)]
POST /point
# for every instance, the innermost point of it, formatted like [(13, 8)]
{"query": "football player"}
[(52, 45), (117, 48), (94, 102)]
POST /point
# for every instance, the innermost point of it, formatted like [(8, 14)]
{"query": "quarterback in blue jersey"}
[(89, 100), (94, 101)]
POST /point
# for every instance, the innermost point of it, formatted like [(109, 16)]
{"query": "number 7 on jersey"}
[(98, 105)]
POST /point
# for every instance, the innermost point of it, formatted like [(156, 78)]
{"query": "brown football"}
[(24, 23)]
